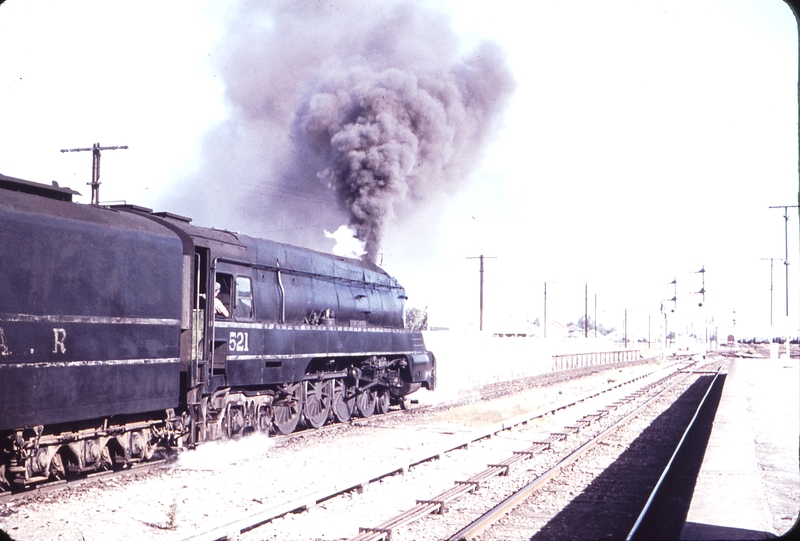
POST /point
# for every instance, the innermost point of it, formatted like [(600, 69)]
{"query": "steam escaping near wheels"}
[(212, 454)]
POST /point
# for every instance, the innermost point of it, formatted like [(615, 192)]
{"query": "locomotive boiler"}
[(123, 330)]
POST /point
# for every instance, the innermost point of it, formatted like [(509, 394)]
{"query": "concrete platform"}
[(749, 483)]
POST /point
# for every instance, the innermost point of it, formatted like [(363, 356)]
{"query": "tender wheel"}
[(57, 470), (365, 402), (263, 418), (106, 461), (383, 401), (317, 402), (343, 402), (286, 411), (233, 422)]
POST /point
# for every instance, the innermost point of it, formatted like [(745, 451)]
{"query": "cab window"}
[(222, 295), (243, 309)]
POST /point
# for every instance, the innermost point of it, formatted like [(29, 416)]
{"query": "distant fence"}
[(578, 360)]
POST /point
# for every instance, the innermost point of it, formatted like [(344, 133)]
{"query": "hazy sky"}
[(643, 141)]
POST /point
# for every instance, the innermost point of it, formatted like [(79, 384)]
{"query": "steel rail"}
[(249, 522), (667, 468), (497, 512)]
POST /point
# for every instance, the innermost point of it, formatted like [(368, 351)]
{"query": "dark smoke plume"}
[(373, 99)]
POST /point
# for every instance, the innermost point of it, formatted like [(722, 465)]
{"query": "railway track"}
[(614, 415), (360, 482), (521, 497), (657, 516)]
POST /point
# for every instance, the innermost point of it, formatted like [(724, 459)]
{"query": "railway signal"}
[(703, 288), (674, 298), (95, 183)]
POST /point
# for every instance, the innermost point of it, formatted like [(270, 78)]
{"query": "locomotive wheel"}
[(233, 422), (106, 461), (365, 402), (263, 418), (343, 402), (57, 470), (317, 402), (4, 484), (382, 403), (286, 412)]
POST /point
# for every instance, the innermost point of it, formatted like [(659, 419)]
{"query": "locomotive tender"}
[(110, 343)]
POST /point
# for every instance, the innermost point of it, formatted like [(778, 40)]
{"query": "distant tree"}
[(417, 319), (600, 328), (536, 322)]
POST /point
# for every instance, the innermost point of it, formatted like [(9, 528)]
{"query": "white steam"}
[(347, 245)]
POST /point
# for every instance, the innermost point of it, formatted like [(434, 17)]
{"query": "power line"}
[(279, 193)]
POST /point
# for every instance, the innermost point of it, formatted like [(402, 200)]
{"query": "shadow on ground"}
[(609, 506)]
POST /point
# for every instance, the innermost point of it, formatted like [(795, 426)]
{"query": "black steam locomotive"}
[(123, 330)]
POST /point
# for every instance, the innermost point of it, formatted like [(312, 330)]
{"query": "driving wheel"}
[(317, 402), (286, 410), (365, 402), (343, 401)]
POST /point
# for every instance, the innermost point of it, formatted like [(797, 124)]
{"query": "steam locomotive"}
[(124, 330)]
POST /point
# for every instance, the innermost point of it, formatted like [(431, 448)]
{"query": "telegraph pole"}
[(770, 259), (95, 183), (786, 241), (545, 309), (626, 328), (481, 257), (586, 311)]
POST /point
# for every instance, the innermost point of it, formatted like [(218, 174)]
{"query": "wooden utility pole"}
[(626, 329), (586, 310), (786, 241), (481, 257), (545, 309), (770, 259), (95, 183)]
